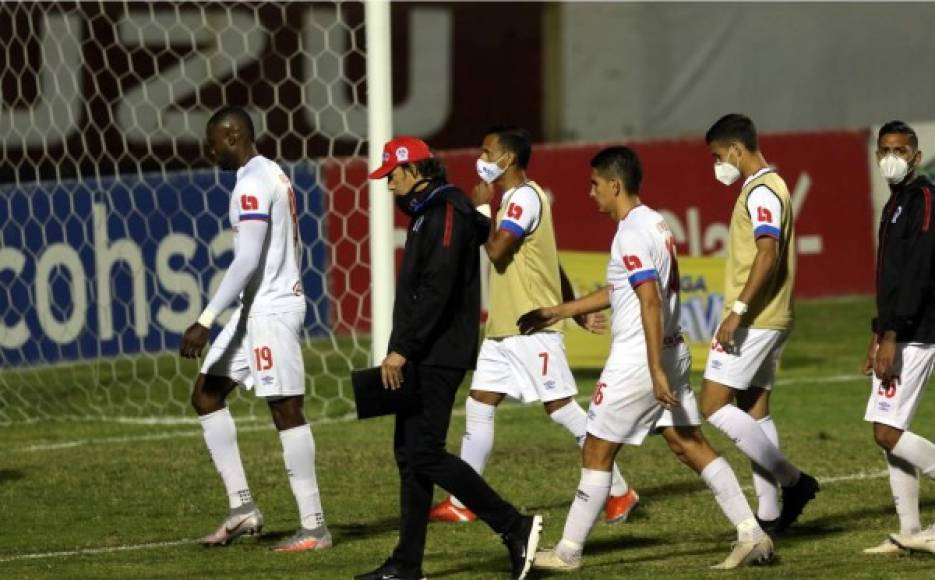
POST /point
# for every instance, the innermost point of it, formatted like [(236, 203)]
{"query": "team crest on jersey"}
[(897, 213)]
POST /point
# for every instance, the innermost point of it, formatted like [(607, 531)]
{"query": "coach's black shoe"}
[(795, 498), (768, 526), (390, 570), (522, 543)]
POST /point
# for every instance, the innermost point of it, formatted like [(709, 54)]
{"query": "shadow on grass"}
[(837, 523), (491, 567), (11, 475)]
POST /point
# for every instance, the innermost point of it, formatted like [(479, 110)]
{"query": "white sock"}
[(722, 481), (477, 441), (573, 418), (767, 490), (298, 453), (918, 451), (904, 482), (221, 438), (750, 438), (589, 500)]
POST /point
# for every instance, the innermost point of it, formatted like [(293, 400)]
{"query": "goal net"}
[(114, 226)]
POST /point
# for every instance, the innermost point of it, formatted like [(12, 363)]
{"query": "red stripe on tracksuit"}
[(449, 223)]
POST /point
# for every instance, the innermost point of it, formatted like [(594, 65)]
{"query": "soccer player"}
[(757, 320), (644, 387), (526, 275), (901, 356), (259, 347)]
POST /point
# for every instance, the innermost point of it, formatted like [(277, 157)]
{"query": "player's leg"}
[(298, 453), (224, 366), (891, 408), (569, 414), (597, 458), (755, 402), (726, 373), (490, 384), (278, 374), (753, 545)]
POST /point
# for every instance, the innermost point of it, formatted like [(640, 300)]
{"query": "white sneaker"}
[(239, 522), (550, 560), (748, 554), (887, 548), (923, 541)]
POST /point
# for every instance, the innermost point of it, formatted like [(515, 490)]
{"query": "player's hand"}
[(869, 360), (661, 390), (725, 332), (391, 371), (536, 320), (883, 364), (482, 193), (194, 341), (595, 322)]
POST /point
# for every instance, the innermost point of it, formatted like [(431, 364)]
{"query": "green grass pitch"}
[(82, 488)]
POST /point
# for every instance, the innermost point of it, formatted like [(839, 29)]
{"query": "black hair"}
[(514, 140), (901, 128), (431, 168), (622, 163), (733, 127), (238, 116)]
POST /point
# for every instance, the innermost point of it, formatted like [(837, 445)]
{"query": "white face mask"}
[(489, 171), (894, 169), (725, 172)]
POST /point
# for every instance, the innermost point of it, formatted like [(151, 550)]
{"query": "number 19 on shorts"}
[(263, 357)]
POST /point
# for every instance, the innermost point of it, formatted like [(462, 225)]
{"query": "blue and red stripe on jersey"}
[(513, 227), (766, 230), (642, 277)]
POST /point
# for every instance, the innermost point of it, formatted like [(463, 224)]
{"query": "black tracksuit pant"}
[(423, 462)]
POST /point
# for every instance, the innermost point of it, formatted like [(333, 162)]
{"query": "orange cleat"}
[(449, 512), (618, 507), (305, 540)]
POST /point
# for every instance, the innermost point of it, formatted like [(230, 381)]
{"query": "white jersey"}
[(263, 192), (643, 252)]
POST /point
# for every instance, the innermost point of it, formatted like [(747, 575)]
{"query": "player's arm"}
[(251, 236), (766, 215), (594, 322), (647, 292), (519, 219), (540, 318)]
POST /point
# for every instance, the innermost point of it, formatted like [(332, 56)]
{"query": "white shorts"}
[(895, 403), (526, 367), (264, 353), (753, 362), (624, 410)]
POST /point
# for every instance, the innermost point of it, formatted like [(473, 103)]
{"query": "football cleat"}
[(887, 548), (618, 507), (795, 498), (243, 521), (522, 544), (551, 561), (304, 540), (446, 511), (753, 553), (923, 541)]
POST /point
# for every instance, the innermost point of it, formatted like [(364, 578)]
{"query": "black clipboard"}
[(373, 400)]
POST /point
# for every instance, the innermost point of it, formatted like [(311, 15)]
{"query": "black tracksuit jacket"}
[(905, 268), (436, 315)]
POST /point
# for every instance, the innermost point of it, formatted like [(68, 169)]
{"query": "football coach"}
[(436, 318)]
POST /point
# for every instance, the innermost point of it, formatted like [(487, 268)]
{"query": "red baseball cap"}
[(399, 151)]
